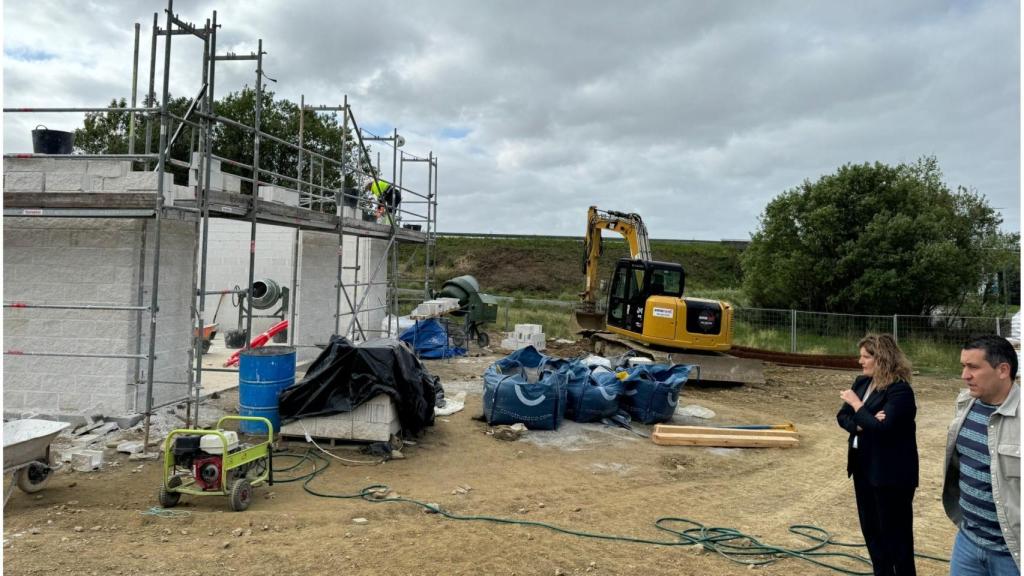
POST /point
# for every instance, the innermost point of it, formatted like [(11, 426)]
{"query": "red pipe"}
[(258, 341)]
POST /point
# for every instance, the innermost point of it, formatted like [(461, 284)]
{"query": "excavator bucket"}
[(589, 320)]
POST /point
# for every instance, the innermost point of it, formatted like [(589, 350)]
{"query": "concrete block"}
[(131, 447), (32, 164), (109, 168), (376, 420), (113, 184), (67, 165), (87, 460), (141, 181), (41, 400), (281, 195), (86, 439), (23, 182), (232, 183), (65, 182)]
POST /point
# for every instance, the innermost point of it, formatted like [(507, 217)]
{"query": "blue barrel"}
[(262, 374)]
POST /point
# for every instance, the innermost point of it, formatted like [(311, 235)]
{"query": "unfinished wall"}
[(369, 254), (89, 261), (228, 266), (316, 303)]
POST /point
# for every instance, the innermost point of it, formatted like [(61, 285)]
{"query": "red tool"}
[(258, 341)]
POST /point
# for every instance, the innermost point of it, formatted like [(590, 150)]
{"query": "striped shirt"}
[(980, 523)]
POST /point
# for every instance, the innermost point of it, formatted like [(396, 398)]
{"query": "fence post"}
[(998, 328), (792, 331), (895, 328)]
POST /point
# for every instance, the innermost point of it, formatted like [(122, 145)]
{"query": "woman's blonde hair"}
[(891, 364)]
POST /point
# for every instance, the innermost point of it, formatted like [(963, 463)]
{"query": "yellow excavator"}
[(645, 309)]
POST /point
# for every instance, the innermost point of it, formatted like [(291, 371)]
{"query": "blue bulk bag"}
[(650, 392), (429, 339), (526, 386), (591, 396)]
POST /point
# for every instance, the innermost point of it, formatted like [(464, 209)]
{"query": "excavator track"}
[(715, 367)]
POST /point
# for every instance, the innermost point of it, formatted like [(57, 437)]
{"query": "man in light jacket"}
[(981, 492)]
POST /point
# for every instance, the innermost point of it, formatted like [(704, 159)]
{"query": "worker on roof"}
[(388, 197)]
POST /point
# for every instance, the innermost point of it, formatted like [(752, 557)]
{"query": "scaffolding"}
[(320, 208)]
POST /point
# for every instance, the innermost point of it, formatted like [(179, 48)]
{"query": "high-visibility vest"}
[(379, 187)]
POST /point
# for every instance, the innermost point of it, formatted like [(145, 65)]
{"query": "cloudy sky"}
[(693, 113)]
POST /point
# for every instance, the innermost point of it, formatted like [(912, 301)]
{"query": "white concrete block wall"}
[(174, 322), (228, 266), (370, 252), (69, 261), (316, 302)]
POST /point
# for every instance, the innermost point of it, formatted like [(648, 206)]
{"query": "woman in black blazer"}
[(879, 412)]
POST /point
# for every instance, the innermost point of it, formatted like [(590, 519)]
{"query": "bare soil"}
[(582, 477)]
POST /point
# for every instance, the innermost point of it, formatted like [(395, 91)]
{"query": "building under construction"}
[(112, 269)]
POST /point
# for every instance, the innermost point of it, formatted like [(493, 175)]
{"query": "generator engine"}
[(202, 456)]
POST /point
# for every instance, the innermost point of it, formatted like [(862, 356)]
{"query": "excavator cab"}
[(646, 303), (633, 282)]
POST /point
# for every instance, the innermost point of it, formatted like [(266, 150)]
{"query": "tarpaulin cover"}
[(430, 340), (345, 376), (651, 391), (524, 387)]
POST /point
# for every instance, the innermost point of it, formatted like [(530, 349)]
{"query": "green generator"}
[(476, 307)]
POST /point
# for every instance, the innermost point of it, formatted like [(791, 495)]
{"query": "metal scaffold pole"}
[(160, 166)]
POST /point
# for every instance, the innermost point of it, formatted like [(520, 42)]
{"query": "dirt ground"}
[(582, 477)]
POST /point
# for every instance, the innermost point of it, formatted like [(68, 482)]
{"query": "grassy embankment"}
[(548, 268)]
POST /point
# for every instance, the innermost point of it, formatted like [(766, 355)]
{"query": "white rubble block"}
[(23, 181), (131, 447), (174, 193), (376, 420), (525, 331), (696, 411), (86, 439), (214, 163), (140, 181), (511, 342), (109, 168), (232, 183), (87, 460), (278, 195), (33, 164)]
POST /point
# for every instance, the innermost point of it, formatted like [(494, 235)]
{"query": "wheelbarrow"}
[(209, 332), (27, 453)]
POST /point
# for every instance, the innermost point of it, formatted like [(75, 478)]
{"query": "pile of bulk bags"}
[(540, 391)]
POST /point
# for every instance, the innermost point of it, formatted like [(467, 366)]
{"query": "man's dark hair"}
[(997, 350)]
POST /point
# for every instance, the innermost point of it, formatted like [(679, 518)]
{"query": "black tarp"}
[(345, 376)]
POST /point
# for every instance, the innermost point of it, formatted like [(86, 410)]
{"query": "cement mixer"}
[(476, 307)]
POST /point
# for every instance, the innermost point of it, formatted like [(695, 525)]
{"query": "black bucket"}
[(52, 141)]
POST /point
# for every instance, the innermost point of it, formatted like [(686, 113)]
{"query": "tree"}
[(872, 239), (107, 133)]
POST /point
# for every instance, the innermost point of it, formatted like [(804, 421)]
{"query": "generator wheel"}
[(167, 498), (206, 346), (33, 478), (241, 495)]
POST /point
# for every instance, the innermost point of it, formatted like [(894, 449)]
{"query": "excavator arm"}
[(632, 228)]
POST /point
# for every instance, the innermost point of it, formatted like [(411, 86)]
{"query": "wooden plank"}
[(724, 441), (668, 429)]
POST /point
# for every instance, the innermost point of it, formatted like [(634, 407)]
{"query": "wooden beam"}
[(708, 430), (723, 440)]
